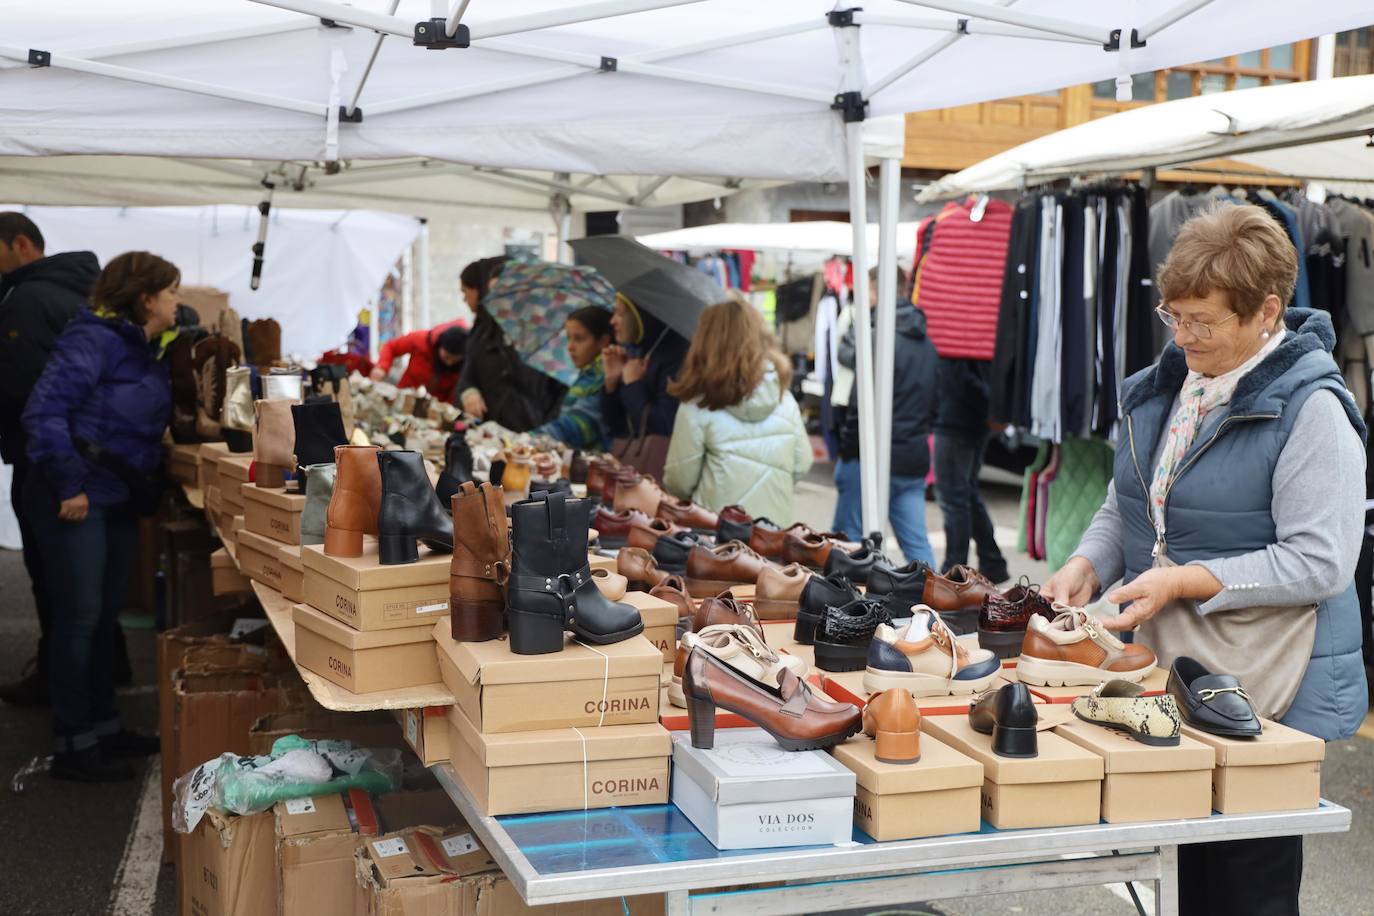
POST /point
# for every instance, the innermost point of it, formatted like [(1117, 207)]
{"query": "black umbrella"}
[(670, 291)]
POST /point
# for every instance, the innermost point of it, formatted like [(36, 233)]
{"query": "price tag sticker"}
[(385, 849), (300, 806), (432, 608), (459, 845)]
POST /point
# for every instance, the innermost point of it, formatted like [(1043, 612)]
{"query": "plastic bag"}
[(294, 768)]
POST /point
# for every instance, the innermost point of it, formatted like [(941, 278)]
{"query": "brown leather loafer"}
[(644, 532), (688, 514), (960, 589), (777, 592), (795, 717), (893, 720), (634, 490), (613, 528), (712, 570), (674, 591), (639, 568)]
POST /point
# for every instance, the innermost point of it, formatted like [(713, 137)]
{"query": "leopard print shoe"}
[(1120, 705)]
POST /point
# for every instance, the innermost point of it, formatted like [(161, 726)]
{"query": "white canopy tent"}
[(773, 89), (820, 237), (1315, 129), (323, 264)]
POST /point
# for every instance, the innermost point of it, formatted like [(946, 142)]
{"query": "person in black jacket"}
[(635, 404), (961, 438), (39, 294), (913, 411)]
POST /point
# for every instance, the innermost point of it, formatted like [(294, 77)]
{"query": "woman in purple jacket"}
[(95, 423)]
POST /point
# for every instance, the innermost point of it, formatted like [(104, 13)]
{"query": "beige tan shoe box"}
[(207, 471), (561, 769), (259, 559), (225, 578), (426, 731), (1280, 770), (366, 595), (364, 662), (1061, 787), (232, 473), (660, 621), (274, 514), (1143, 782), (584, 687), (938, 795), (292, 572)]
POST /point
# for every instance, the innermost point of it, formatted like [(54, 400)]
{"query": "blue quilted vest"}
[(1219, 503)]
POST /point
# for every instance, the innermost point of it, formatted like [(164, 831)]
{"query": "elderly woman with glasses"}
[(1235, 513)]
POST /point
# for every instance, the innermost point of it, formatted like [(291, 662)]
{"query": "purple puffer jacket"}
[(104, 384)]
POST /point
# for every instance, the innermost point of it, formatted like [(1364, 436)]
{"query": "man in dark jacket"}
[(38, 296), (913, 412), (961, 438)]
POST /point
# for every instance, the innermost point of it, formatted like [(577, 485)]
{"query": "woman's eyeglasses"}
[(1197, 328)]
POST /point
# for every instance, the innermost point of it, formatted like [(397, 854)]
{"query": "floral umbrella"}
[(531, 300)]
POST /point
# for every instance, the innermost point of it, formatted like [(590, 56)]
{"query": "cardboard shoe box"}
[(749, 793), (274, 514), (426, 731), (1062, 787), (1145, 782), (938, 795), (232, 474), (258, 558), (561, 769), (292, 572), (660, 622), (225, 578), (364, 661), (1281, 770), (207, 463), (502, 692), (369, 596)]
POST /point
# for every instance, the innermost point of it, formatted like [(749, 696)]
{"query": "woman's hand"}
[(74, 509), (1074, 584), (613, 364), (475, 404), (1147, 593), (377, 374), (634, 370)]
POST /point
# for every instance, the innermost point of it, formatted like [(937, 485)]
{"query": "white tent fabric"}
[(642, 87), (1285, 129), (821, 237), (321, 266)]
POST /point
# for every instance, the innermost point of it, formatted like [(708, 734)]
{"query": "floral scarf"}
[(1199, 396)]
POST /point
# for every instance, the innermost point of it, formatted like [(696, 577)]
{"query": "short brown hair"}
[(1236, 249), (728, 356), (130, 276)]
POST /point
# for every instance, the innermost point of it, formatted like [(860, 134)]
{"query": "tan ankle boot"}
[(357, 500), (274, 442)]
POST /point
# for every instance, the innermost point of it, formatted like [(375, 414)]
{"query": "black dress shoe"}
[(856, 565), (89, 765), (410, 509), (819, 593), (1213, 703), (1008, 714), (844, 634), (905, 583), (125, 743), (734, 524), (670, 553)]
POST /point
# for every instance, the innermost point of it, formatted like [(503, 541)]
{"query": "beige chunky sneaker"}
[(925, 658), (1075, 650), (741, 647)]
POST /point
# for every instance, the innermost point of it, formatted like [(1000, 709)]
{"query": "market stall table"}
[(576, 855)]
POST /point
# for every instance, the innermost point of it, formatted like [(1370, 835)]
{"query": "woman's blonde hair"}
[(728, 356)]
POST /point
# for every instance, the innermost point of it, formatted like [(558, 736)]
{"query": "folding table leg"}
[(1166, 888), (678, 903)]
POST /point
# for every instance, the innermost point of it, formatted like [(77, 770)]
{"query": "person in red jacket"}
[(436, 358)]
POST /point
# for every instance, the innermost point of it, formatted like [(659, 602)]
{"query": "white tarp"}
[(321, 266), (822, 237), (733, 88), (1281, 128)]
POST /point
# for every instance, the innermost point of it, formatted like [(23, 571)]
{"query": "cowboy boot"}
[(274, 443), (481, 562), (319, 430), (410, 509), (213, 357), (551, 587), (182, 369), (319, 489), (356, 501)]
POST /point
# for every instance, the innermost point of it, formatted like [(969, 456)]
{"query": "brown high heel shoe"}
[(893, 720), (795, 717)]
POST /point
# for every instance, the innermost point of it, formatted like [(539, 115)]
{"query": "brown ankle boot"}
[(357, 500), (274, 443), (481, 563), (264, 342)]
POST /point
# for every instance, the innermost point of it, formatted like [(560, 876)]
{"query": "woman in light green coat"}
[(738, 438)]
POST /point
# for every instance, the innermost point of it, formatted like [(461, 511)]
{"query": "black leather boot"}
[(319, 428), (551, 588), (457, 467), (410, 509)]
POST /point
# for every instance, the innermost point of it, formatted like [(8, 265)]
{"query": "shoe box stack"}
[(367, 626), (578, 728), (182, 463), (268, 546), (1277, 770), (232, 474)]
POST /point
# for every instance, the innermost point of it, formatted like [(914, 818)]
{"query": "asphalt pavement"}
[(64, 845)]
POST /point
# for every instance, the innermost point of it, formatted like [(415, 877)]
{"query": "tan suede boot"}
[(274, 443)]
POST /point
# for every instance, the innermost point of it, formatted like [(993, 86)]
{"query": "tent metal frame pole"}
[(919, 58), (732, 41), (128, 74), (351, 15), (422, 273), (410, 103), (646, 194), (95, 52), (889, 190), (968, 27), (608, 9), (371, 60), (1032, 21), (454, 18), (1169, 17)]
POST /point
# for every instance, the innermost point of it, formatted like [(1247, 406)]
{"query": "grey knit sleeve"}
[(1318, 510), (1102, 544)]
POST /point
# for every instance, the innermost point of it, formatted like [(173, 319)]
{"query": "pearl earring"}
[(1265, 335)]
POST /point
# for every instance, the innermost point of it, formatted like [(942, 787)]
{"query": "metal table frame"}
[(834, 878)]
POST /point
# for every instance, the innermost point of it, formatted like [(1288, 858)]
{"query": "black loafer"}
[(856, 565), (820, 593), (1213, 703), (1008, 714), (906, 583)]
